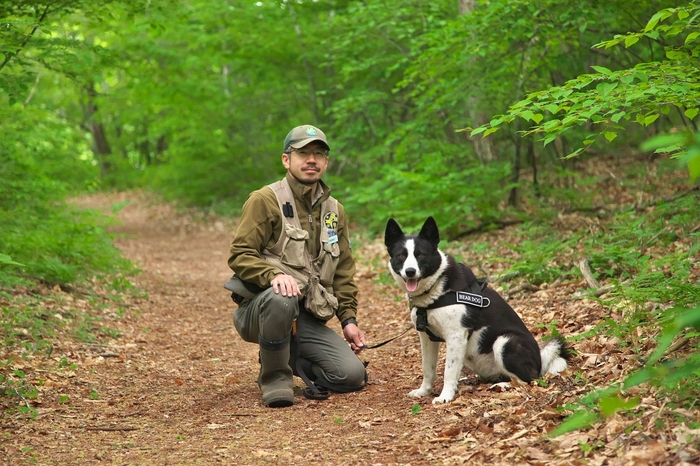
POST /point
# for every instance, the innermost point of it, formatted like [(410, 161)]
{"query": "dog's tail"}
[(555, 355)]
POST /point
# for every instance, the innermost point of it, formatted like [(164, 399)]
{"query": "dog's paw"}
[(418, 393), (442, 399)]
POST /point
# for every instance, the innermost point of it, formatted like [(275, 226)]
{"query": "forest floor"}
[(174, 383)]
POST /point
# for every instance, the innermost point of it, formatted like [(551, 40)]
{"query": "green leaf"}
[(616, 117), (609, 405), (602, 70), (641, 76), (649, 119), (5, 259), (691, 37), (579, 420), (526, 115), (478, 130), (489, 131), (659, 16), (691, 113), (537, 118), (694, 168), (610, 135), (631, 40), (662, 141), (606, 88)]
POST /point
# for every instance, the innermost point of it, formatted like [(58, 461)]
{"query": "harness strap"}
[(473, 297)]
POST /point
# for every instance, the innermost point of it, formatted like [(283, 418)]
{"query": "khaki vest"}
[(314, 275)]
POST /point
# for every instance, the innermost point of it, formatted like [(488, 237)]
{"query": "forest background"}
[(482, 114)]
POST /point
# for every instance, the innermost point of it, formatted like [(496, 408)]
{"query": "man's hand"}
[(355, 337), (285, 284)]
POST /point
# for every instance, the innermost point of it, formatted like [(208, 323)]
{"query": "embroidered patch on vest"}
[(473, 299), (330, 220)]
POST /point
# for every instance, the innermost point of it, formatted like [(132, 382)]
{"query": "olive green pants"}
[(325, 355)]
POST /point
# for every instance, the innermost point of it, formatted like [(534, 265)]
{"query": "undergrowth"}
[(650, 262)]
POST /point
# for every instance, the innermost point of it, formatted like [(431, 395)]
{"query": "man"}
[(293, 271)]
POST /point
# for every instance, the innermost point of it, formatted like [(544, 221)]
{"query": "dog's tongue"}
[(411, 284)]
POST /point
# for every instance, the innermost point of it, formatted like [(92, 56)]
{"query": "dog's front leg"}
[(456, 349), (429, 353)]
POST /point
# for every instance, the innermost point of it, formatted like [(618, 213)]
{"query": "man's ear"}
[(285, 160)]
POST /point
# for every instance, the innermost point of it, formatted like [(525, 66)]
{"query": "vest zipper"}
[(311, 223)]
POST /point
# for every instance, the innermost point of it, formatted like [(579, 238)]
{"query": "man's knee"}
[(352, 377), (277, 314), (356, 376)]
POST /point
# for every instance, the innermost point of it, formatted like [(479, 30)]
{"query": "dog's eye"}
[(420, 256), (402, 256)]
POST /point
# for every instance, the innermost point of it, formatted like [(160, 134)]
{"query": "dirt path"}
[(178, 386)]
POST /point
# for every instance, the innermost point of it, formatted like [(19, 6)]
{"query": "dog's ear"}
[(430, 232), (392, 234)]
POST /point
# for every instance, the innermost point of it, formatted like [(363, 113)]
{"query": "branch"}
[(112, 429), (9, 56), (587, 274), (487, 226)]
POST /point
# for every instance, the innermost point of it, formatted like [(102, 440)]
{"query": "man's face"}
[(307, 164)]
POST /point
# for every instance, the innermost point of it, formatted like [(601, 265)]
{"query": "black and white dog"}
[(449, 304)]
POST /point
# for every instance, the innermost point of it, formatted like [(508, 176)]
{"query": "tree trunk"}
[(307, 67), (100, 145), (483, 147)]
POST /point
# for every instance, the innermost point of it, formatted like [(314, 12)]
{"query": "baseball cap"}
[(303, 135)]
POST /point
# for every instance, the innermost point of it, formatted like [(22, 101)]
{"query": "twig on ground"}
[(524, 286), (587, 274), (112, 429)]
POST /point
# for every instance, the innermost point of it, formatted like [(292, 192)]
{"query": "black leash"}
[(387, 341)]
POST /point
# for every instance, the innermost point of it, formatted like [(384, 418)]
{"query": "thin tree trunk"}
[(100, 145), (307, 66), (483, 147)]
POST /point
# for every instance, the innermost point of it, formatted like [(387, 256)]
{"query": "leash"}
[(386, 341)]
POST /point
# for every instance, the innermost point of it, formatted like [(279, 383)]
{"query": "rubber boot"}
[(275, 379)]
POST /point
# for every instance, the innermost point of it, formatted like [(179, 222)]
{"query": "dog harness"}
[(469, 295)]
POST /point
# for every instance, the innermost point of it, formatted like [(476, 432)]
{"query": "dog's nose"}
[(410, 273)]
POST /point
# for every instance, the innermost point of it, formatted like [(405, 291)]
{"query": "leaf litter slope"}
[(177, 386)]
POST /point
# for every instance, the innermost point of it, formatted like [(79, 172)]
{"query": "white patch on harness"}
[(473, 299)]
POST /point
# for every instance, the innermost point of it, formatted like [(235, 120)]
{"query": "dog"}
[(448, 303)]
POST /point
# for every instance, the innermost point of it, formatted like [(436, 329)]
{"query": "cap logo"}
[(311, 131)]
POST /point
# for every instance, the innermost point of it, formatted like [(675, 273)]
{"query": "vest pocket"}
[(329, 262), (320, 301), (293, 252)]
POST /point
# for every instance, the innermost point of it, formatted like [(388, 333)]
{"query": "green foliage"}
[(47, 239), (678, 379), (655, 286), (607, 101), (457, 198), (14, 383)]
